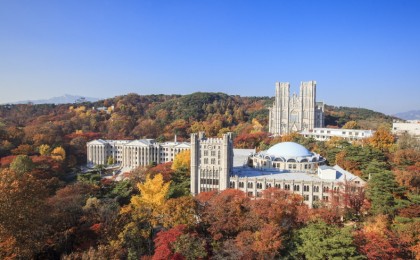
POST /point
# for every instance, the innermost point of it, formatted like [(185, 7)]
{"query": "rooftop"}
[(287, 150)]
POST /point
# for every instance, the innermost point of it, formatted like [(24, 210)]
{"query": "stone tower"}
[(211, 162), (297, 112)]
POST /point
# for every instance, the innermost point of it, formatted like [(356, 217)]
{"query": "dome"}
[(288, 150)]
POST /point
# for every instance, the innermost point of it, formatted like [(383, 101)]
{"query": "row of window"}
[(209, 181), (212, 153), (296, 187), (212, 161)]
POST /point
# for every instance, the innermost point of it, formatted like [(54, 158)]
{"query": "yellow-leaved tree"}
[(182, 161), (44, 149), (152, 194), (58, 154), (145, 214)]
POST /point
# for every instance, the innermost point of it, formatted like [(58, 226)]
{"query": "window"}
[(296, 187), (213, 153), (250, 194), (206, 160), (306, 188), (241, 184), (206, 153), (305, 197), (232, 185), (316, 189), (325, 198), (316, 198), (277, 186), (250, 185), (259, 194), (325, 189), (287, 186), (259, 185), (213, 161)]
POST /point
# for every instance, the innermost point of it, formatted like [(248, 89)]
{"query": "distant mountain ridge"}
[(409, 115), (65, 99)]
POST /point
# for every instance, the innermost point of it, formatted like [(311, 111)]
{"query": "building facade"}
[(211, 162), (297, 112), (132, 154), (411, 127), (325, 134), (287, 166)]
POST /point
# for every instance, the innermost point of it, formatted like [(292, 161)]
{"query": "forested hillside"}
[(150, 214), (365, 118), (152, 116)]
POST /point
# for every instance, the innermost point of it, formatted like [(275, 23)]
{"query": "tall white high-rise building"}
[(297, 112)]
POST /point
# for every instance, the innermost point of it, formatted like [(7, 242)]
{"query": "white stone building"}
[(287, 166), (411, 127), (297, 112), (134, 153), (325, 134), (211, 162)]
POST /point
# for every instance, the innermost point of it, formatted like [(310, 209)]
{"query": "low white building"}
[(133, 153), (411, 127), (324, 134)]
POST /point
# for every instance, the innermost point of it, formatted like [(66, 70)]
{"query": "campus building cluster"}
[(217, 166), (287, 165)]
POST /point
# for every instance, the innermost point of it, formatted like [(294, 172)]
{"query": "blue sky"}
[(361, 53)]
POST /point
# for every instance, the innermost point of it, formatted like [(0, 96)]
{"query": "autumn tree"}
[(144, 213), (350, 125), (190, 246), (23, 149), (376, 241), (44, 149), (409, 177), (264, 243), (58, 154), (22, 214), (182, 161), (22, 164), (407, 141), (382, 139), (179, 211), (66, 216), (224, 214), (164, 242)]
